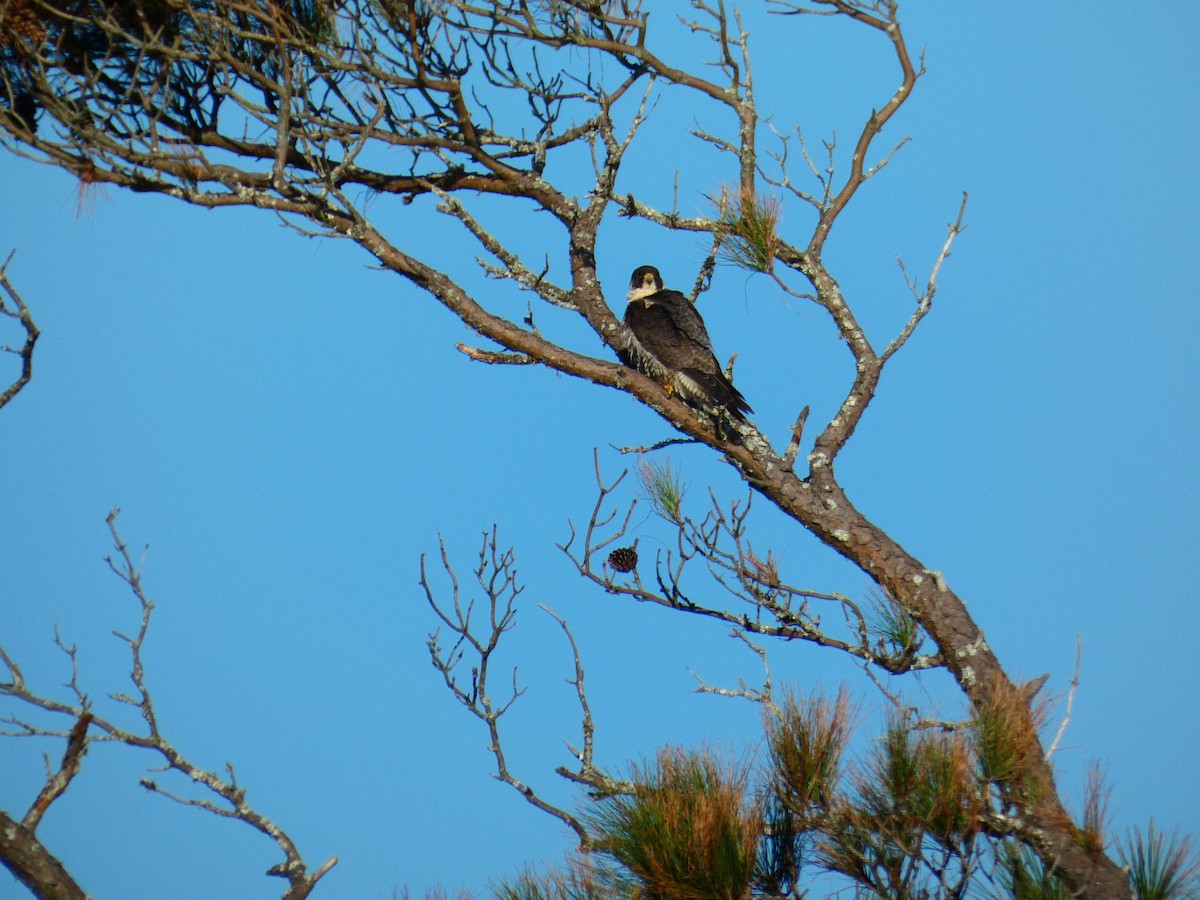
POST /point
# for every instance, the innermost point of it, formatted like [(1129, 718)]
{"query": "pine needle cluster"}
[(688, 832), (1161, 867), (913, 816), (663, 487), (1007, 747), (747, 227), (892, 625)]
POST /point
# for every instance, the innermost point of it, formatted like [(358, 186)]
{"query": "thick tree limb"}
[(33, 865)]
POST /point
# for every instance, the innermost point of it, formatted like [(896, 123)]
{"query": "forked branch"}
[(716, 551), (924, 294), (21, 851), (475, 631)]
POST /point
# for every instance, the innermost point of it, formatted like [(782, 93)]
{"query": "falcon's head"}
[(644, 282)]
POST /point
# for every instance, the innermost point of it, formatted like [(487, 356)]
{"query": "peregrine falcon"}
[(671, 345)]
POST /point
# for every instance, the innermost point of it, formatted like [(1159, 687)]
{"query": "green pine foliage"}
[(1161, 867), (1023, 876), (747, 227), (575, 881), (894, 627), (663, 488), (688, 832), (914, 816), (1006, 746), (806, 740)]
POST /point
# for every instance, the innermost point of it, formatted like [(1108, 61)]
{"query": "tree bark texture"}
[(33, 865)]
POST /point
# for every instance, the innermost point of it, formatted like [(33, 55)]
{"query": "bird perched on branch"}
[(671, 345)]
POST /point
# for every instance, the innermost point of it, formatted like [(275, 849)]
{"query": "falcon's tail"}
[(719, 391)]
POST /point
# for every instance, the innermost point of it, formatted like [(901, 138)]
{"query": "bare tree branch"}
[(1066, 720), (924, 297), (61, 780), (19, 311), (755, 695), (22, 853), (496, 576), (598, 783), (766, 604)]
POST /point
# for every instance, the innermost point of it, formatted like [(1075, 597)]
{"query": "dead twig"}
[(19, 311), (477, 643), (88, 725), (1062, 726)]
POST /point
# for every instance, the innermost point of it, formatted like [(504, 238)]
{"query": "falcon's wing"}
[(687, 317), (669, 327), (672, 345)]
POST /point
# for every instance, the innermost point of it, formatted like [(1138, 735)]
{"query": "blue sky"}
[(289, 430)]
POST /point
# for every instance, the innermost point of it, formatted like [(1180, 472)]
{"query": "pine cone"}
[(623, 559), (21, 21)]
